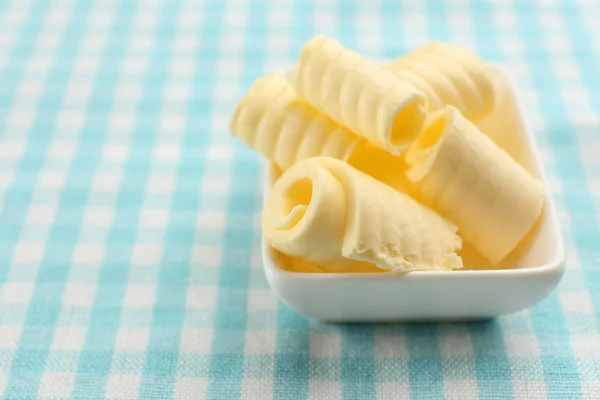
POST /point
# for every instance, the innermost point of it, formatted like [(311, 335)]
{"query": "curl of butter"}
[(449, 75), (271, 119), (328, 213), (284, 129), (471, 181), (359, 94)]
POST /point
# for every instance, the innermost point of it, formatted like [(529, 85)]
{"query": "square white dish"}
[(475, 292)]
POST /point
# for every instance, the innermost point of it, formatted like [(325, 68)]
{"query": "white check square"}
[(20, 118), (121, 122), (167, 152), (40, 214), (261, 299), (207, 256), (161, 183), (94, 43), (62, 149), (388, 390), (460, 389), (135, 65), (196, 341), (101, 19), (324, 389), (177, 92), (590, 389), (132, 339), (146, 254), (172, 122), (106, 181), (576, 302), (567, 69), (229, 90), (522, 346), (39, 64), (98, 217), (191, 19), (455, 341), (153, 218), (201, 297), (87, 65), (115, 152), (261, 342), (10, 336), (234, 41), (11, 150), (4, 375), (325, 344), (69, 338), (142, 296), (586, 346), (79, 295), (7, 38), (30, 89), (29, 253), (262, 388), (575, 93), (50, 41), (460, 21), (187, 388), (57, 18), (56, 385), (593, 184), (145, 19), (388, 342), (211, 219), (88, 253), (128, 92), (52, 179), (16, 292), (220, 153), (182, 67), (70, 119), (14, 17), (79, 90), (123, 387), (186, 43), (216, 184)]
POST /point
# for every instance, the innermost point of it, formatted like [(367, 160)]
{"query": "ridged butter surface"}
[(271, 119), (449, 75), (359, 94)]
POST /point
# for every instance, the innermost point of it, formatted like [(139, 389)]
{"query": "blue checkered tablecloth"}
[(129, 220)]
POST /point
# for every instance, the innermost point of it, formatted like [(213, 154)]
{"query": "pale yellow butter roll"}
[(328, 213), (272, 120), (462, 174), (359, 94), (449, 75)]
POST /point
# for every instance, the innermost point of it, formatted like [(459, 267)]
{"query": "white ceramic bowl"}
[(526, 277)]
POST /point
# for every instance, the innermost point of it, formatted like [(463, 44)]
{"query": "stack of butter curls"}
[(383, 168)]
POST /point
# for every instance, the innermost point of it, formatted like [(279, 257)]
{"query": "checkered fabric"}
[(129, 220)]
